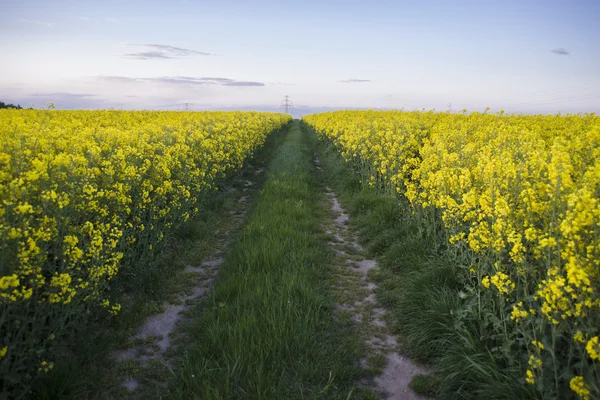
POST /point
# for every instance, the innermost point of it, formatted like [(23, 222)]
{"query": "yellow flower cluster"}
[(45, 366), (518, 313), (520, 192), (578, 385), (593, 348), (82, 190), (501, 281)]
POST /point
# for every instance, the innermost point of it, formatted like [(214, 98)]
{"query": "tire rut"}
[(153, 340), (355, 293)]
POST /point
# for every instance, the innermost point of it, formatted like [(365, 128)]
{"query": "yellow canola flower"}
[(593, 348), (502, 282), (9, 281), (538, 344), (74, 187), (115, 309), (534, 362), (45, 366), (515, 190), (530, 378), (518, 312), (578, 385), (486, 282), (579, 337)]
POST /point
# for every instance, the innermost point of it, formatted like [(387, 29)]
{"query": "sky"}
[(523, 56)]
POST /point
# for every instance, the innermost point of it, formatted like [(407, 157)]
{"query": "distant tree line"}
[(4, 105)]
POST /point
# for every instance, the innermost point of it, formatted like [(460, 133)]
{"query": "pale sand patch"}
[(393, 382), (157, 330), (156, 333)]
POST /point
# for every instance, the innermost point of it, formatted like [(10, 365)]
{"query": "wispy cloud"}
[(67, 100), (560, 52), (186, 80), (63, 95), (242, 83), (117, 79), (355, 81), (85, 18), (113, 20), (163, 51), (182, 81), (34, 22), (148, 55), (178, 51)]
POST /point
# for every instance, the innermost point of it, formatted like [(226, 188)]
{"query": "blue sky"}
[(522, 55)]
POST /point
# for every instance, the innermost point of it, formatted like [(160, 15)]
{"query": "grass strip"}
[(267, 331), (419, 284), (88, 370)]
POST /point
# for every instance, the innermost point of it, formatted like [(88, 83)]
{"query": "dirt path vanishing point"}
[(153, 340), (356, 300)]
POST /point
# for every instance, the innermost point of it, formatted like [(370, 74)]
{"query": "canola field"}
[(83, 195), (88, 197), (519, 197)]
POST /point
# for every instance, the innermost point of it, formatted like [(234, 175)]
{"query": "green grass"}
[(425, 385), (419, 282), (86, 369), (267, 330)]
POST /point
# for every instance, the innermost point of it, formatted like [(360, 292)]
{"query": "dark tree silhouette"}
[(5, 105)]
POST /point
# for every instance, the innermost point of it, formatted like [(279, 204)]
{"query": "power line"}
[(552, 101), (286, 104), (166, 106), (543, 97), (181, 106), (547, 92), (538, 102)]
